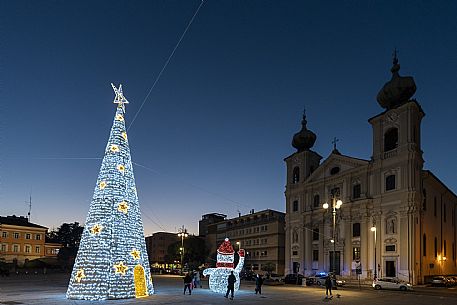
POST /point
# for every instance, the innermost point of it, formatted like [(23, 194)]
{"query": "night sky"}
[(214, 131)]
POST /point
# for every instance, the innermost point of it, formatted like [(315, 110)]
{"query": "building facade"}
[(260, 234), (396, 219), (22, 241), (157, 246), (208, 232)]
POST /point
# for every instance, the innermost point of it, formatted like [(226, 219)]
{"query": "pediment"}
[(344, 163)]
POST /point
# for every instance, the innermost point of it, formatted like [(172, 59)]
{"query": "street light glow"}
[(373, 229), (325, 205)]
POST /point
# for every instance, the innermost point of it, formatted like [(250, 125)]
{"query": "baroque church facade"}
[(386, 216)]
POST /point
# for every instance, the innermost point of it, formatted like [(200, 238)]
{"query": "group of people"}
[(191, 281)]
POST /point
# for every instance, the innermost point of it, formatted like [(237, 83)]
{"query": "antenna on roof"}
[(30, 206)]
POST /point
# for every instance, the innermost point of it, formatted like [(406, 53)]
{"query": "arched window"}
[(424, 200), (391, 139), (424, 245), (316, 201), (436, 247), (390, 182), (295, 206), (296, 175)]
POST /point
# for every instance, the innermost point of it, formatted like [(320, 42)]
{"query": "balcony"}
[(390, 153)]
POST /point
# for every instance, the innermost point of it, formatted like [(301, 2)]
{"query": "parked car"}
[(294, 279), (274, 277), (319, 280), (391, 283), (441, 281)]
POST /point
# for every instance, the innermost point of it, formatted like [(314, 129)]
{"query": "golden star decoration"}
[(121, 168), (79, 275), (102, 185), (120, 268), (124, 135), (96, 229), (114, 148), (135, 254), (119, 117), (123, 207)]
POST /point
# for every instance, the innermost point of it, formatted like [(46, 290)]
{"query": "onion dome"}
[(398, 90), (304, 139)]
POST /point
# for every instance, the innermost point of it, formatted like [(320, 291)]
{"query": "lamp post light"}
[(336, 204), (182, 233), (375, 267), (441, 259)]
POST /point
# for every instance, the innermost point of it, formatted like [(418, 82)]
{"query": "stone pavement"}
[(50, 290)]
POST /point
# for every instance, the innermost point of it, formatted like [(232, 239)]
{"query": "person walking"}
[(187, 283), (231, 285), (258, 284), (328, 286), (197, 282)]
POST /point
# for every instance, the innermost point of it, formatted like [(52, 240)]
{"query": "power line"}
[(166, 63), (196, 187)]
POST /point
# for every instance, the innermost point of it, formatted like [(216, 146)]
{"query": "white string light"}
[(112, 262)]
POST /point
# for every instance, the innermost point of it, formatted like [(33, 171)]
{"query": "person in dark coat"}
[(328, 286), (187, 283), (258, 284), (231, 285)]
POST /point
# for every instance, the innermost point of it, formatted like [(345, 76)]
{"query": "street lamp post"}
[(373, 229), (336, 204), (182, 233)]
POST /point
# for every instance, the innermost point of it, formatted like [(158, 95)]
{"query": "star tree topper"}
[(120, 98)]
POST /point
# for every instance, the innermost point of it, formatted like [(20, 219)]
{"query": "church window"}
[(444, 248), (390, 182), (295, 206), (356, 229), (335, 170), (434, 206), (453, 251), (444, 212), (424, 245), (436, 247), (391, 139), (316, 234), (315, 255), (316, 201), (356, 190), (424, 200), (296, 175), (356, 253)]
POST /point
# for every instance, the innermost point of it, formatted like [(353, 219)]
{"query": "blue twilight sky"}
[(214, 131)]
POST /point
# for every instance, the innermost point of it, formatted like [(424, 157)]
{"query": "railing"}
[(390, 154)]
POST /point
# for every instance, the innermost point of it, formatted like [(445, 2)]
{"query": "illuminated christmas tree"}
[(112, 262)]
